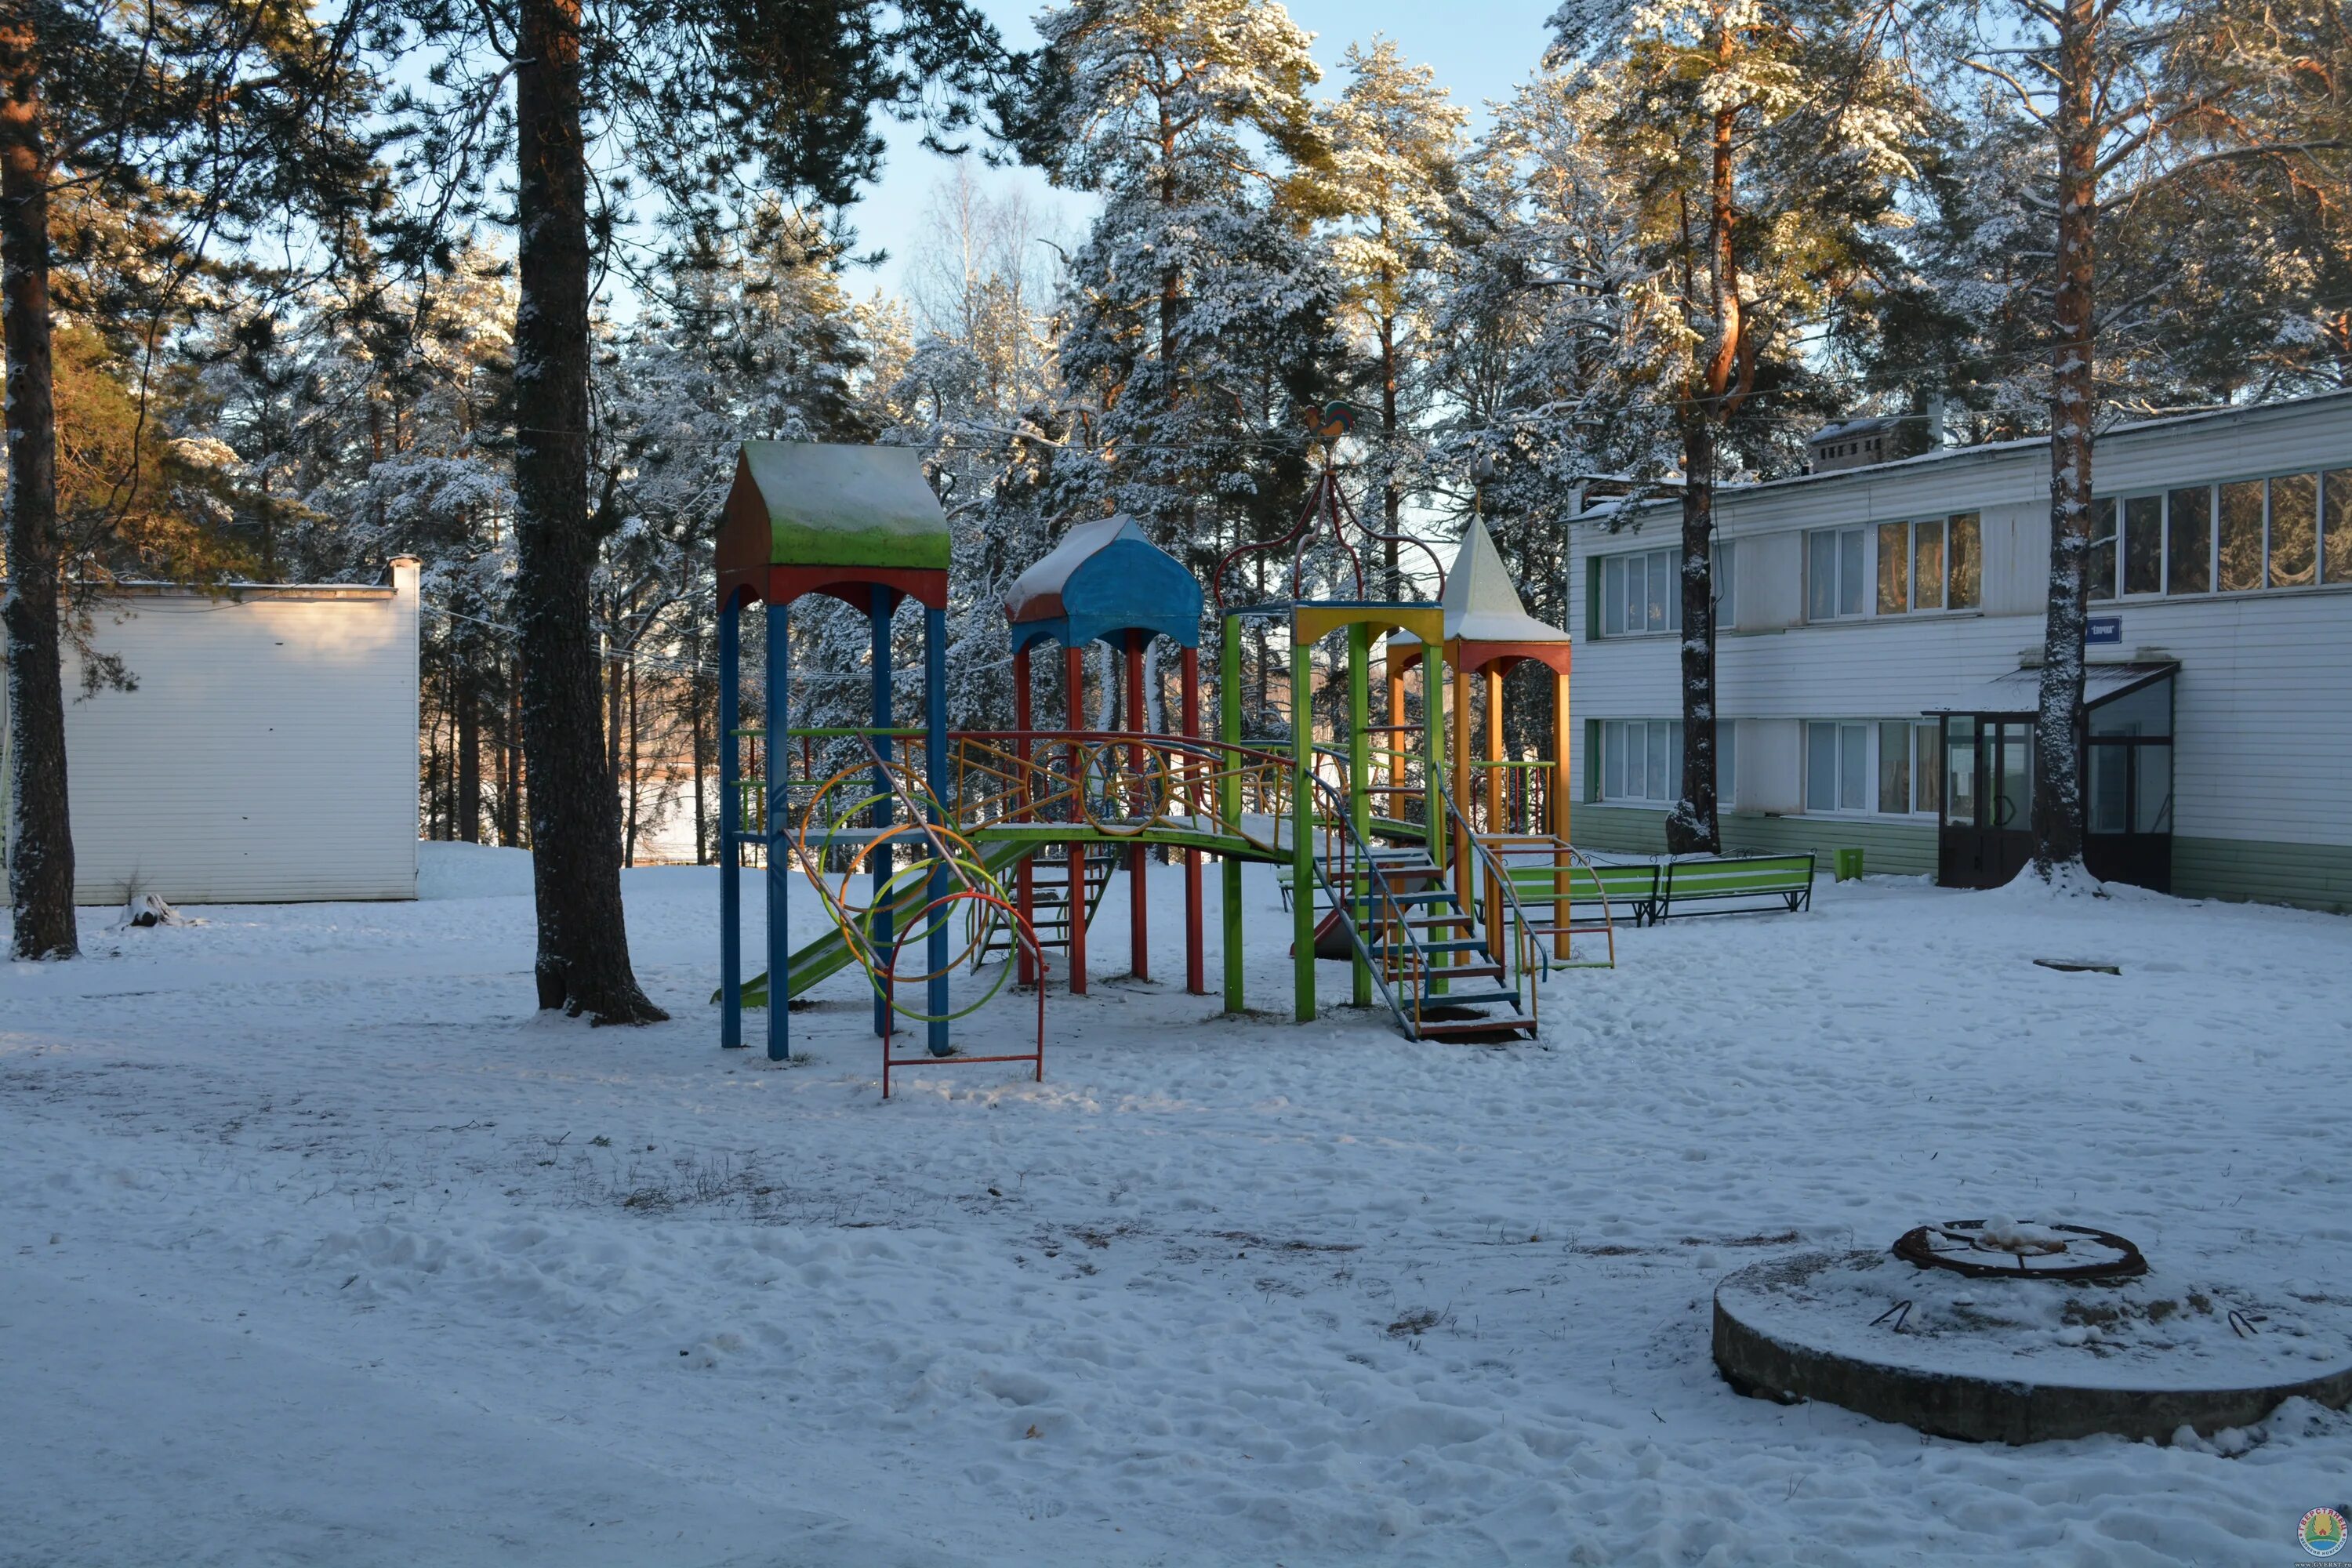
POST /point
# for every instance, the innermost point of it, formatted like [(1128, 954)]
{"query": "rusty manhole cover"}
[(2014, 1250)]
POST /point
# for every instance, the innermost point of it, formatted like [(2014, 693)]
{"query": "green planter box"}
[(1849, 865)]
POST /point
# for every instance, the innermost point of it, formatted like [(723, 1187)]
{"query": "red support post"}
[(1196, 972), (1138, 939), (1074, 667), (1025, 895)]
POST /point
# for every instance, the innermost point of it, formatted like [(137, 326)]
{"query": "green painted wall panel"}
[(2310, 875), (2314, 876), (1887, 848)]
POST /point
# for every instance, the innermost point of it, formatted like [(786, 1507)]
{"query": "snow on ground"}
[(321, 1247)]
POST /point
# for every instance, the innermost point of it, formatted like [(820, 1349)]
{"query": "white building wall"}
[(2264, 694), (267, 754)]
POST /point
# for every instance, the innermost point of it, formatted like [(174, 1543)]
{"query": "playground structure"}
[(999, 844)]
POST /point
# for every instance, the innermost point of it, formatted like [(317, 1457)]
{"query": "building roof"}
[(1984, 450), (1104, 578), (1846, 427)]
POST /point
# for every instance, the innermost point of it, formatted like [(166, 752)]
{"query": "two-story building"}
[(1881, 629)]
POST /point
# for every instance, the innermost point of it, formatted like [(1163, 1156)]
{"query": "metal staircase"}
[(1049, 903), (1442, 976)]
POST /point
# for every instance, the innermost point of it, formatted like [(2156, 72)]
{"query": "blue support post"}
[(883, 813), (731, 806), (779, 749), (934, 768)]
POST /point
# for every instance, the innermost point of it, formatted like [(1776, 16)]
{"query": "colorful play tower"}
[(1421, 878)]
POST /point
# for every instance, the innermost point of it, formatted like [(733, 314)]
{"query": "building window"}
[(2100, 571), (2293, 530), (1894, 568), (1909, 780), (1642, 761), (2293, 557), (1837, 767), (2240, 553), (2188, 541), (2336, 527), (2144, 545), (1725, 576), (1927, 562), (1640, 593), (1835, 574), (1966, 587), (1726, 762), (1890, 767)]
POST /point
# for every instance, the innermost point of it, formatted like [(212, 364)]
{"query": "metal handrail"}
[(1527, 942), (1554, 846), (1341, 904)]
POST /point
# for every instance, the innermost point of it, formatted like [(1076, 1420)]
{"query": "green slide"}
[(829, 954)]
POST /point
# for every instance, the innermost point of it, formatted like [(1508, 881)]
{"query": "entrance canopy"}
[(805, 517), (1105, 578), (2019, 694)]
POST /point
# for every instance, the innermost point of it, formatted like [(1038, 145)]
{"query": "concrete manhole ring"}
[(1991, 1360)]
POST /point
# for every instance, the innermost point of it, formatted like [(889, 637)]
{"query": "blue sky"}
[(1479, 49)]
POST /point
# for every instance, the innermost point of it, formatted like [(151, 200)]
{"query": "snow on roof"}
[(809, 503), (1036, 593), (1866, 471), (1104, 578), (1866, 427)]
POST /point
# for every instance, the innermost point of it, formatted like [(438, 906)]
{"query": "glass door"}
[(1986, 836)]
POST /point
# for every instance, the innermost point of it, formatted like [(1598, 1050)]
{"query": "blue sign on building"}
[(2105, 629)]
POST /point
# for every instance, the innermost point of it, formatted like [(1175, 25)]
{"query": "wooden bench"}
[(1747, 884)]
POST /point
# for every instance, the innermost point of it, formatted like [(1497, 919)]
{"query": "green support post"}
[(1359, 797), (1229, 802), (1302, 824)]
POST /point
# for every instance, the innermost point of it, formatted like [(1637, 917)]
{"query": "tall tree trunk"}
[(583, 944), (629, 846), (469, 744), (612, 720), (695, 695), (1391, 497), (2058, 726), (510, 808), (39, 832), (1692, 827)]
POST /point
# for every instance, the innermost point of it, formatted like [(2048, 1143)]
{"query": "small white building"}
[(267, 753), (1881, 629)]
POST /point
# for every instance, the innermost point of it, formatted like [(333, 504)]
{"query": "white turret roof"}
[(1481, 602)]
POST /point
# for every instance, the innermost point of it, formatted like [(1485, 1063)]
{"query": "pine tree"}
[(1395, 140), (1199, 314), (1762, 150), (122, 106), (723, 107), (2136, 102)]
